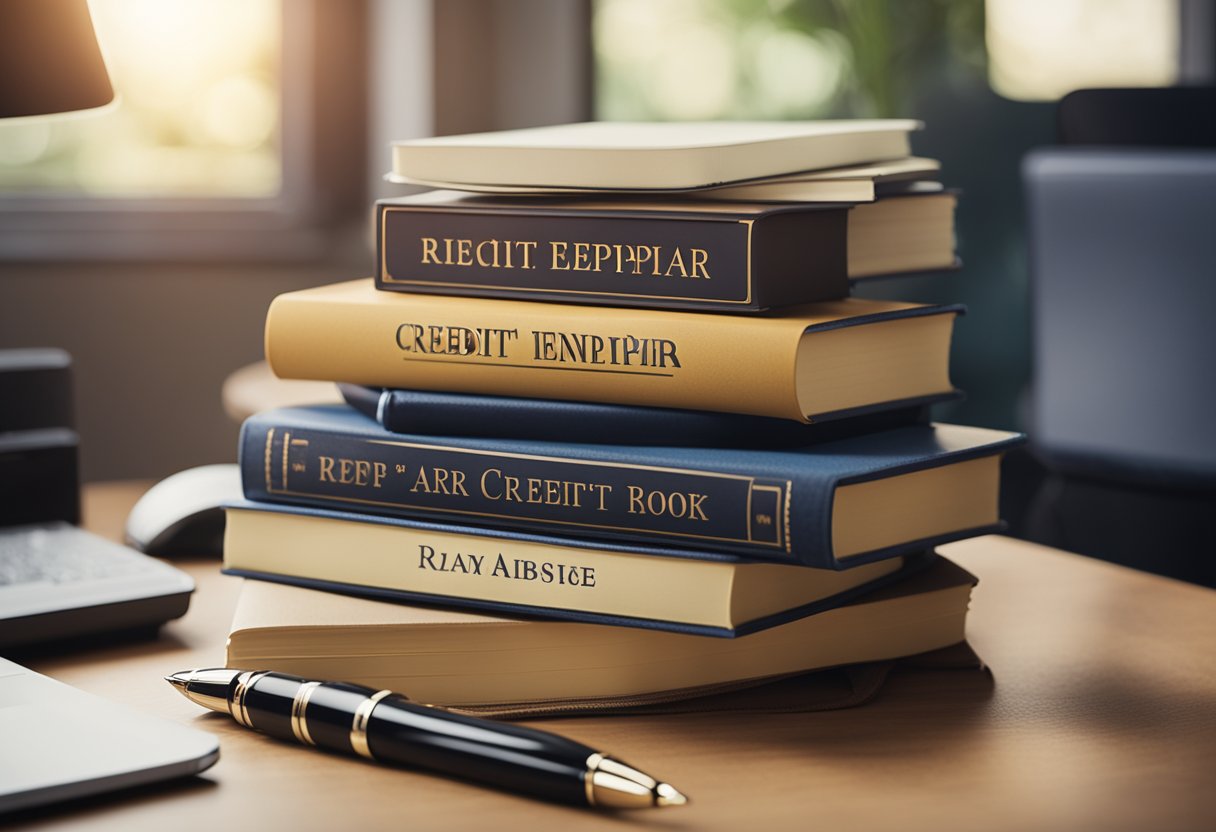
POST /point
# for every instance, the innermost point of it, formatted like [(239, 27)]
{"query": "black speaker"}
[(39, 456)]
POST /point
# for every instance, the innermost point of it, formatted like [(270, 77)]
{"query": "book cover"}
[(490, 569), (850, 183), (804, 363), (455, 657), (433, 413), (829, 505), (622, 155), (734, 257)]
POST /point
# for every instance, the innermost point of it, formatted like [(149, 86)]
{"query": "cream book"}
[(852, 183), (626, 155), (391, 557), (443, 657)]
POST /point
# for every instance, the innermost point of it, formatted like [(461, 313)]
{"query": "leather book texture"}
[(433, 413), (712, 257), (777, 505)]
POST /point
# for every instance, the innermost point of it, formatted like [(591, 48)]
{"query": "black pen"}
[(385, 726)]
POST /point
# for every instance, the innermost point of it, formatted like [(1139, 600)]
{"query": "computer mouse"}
[(182, 514)]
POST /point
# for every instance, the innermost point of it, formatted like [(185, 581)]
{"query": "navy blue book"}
[(700, 592), (437, 413), (830, 505)]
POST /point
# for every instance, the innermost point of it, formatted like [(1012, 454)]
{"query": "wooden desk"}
[(1101, 715)]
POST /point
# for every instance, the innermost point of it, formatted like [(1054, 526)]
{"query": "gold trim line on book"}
[(269, 446), (358, 727), (286, 452), (464, 363), (783, 530), (476, 530)]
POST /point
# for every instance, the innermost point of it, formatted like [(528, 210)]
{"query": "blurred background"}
[(251, 136)]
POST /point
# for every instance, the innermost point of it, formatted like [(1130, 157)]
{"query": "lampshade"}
[(49, 59)]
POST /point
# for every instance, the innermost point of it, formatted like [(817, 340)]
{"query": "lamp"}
[(49, 59)]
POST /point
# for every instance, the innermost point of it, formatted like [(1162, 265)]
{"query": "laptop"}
[(60, 743), (56, 580)]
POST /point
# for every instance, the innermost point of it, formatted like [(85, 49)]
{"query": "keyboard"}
[(57, 580)]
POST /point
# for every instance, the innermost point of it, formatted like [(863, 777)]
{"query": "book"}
[(911, 232), (819, 360), (492, 569), (680, 254), (448, 657), (852, 183), (622, 155), (828, 505), (735, 257), (435, 413)]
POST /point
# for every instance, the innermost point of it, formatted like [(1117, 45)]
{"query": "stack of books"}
[(615, 429)]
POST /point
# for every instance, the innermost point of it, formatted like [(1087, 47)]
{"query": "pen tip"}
[(667, 795)]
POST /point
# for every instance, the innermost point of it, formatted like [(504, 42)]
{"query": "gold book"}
[(444, 657), (802, 363)]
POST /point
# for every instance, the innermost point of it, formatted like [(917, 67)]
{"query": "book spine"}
[(547, 420), (644, 504), (687, 260), (558, 351)]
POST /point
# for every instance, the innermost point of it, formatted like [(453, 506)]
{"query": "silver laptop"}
[(59, 743)]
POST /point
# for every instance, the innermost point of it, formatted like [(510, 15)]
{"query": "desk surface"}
[(1101, 714)]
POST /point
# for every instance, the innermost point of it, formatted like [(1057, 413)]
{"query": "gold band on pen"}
[(593, 762), (358, 728), (299, 704), (238, 709)]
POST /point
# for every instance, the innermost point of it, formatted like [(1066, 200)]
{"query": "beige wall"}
[(152, 345)]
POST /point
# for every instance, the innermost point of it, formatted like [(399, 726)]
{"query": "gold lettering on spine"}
[(625, 258), (789, 498), (496, 485), (492, 263), (269, 444), (286, 450)]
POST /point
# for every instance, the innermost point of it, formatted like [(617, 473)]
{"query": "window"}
[(198, 116), (237, 128)]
